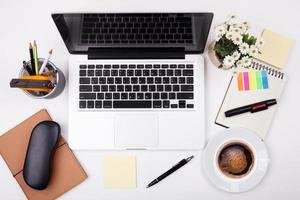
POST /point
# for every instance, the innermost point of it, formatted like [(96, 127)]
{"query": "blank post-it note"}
[(120, 172), (276, 49)]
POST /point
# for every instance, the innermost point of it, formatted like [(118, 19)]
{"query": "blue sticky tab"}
[(264, 77)]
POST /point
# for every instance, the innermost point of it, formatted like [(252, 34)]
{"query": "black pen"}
[(256, 107), (170, 171)]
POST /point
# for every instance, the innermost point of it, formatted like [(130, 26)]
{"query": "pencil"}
[(31, 58), (35, 55), (45, 62)]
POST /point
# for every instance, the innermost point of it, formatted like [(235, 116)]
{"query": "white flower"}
[(239, 63), (218, 37), (246, 25), (229, 35), (243, 28), (246, 61), (237, 39), (231, 19), (228, 61), (220, 30), (236, 55), (236, 30), (253, 51), (244, 47), (260, 43)]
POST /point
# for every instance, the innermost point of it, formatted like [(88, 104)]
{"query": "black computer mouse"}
[(39, 156)]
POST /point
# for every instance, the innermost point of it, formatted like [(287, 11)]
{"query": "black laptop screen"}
[(81, 31)]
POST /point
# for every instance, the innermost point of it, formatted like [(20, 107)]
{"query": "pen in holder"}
[(54, 74)]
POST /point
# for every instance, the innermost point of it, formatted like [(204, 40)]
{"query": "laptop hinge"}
[(136, 53)]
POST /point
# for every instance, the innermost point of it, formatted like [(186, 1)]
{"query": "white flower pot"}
[(214, 58)]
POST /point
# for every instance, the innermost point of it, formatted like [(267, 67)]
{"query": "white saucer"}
[(259, 168)]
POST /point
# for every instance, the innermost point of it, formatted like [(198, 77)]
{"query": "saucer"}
[(259, 169)]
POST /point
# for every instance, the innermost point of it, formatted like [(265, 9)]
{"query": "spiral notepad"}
[(253, 91)]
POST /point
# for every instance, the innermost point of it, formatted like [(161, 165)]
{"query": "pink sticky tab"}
[(246, 80)]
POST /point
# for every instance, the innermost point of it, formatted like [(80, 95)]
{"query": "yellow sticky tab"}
[(252, 80)]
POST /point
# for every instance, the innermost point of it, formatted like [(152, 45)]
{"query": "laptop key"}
[(120, 88), (172, 95), (82, 73), (156, 104), (82, 104), (91, 72), (190, 105), (98, 104), (85, 88), (116, 95), (90, 104), (87, 95), (174, 106), (124, 95), (104, 88), (84, 80), (189, 80), (107, 104), (181, 104), (140, 96), (156, 95), (108, 95), (187, 87), (132, 104), (185, 95), (102, 80), (148, 95), (166, 104), (188, 72), (100, 95), (96, 88), (132, 95)]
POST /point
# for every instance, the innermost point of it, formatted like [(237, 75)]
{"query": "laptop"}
[(136, 80)]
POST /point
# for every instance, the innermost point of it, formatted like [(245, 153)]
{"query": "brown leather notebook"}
[(67, 171)]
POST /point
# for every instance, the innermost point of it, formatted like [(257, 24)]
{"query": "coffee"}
[(235, 160)]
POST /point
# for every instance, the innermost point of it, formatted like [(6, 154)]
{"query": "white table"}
[(24, 21)]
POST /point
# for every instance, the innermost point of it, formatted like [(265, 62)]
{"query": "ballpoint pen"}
[(170, 171)]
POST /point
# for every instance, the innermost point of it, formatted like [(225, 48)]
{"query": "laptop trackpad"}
[(136, 131)]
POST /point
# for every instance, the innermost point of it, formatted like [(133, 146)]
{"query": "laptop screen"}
[(83, 31)]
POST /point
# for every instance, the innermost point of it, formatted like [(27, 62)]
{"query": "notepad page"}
[(259, 122)]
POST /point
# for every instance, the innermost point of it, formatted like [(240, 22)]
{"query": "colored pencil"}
[(35, 55), (31, 58)]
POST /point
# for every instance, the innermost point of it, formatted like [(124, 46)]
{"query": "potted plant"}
[(233, 45)]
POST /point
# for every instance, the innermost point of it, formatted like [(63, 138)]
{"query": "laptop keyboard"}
[(140, 86), (148, 28)]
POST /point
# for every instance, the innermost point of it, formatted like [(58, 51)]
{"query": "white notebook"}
[(242, 90)]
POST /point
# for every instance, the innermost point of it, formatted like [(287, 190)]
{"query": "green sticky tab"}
[(258, 80)]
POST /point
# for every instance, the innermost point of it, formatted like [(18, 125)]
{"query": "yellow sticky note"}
[(119, 172), (276, 49)]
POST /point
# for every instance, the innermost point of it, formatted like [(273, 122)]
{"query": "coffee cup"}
[(235, 159)]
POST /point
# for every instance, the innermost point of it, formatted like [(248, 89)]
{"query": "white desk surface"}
[(24, 21)]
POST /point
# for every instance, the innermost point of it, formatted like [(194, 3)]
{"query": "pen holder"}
[(54, 72)]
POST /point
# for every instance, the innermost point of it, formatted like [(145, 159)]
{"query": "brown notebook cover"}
[(66, 172)]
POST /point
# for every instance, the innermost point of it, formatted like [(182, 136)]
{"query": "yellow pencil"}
[(35, 56)]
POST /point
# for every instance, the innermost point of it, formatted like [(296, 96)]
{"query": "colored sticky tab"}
[(246, 81), (240, 81), (258, 80), (264, 77), (252, 80)]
